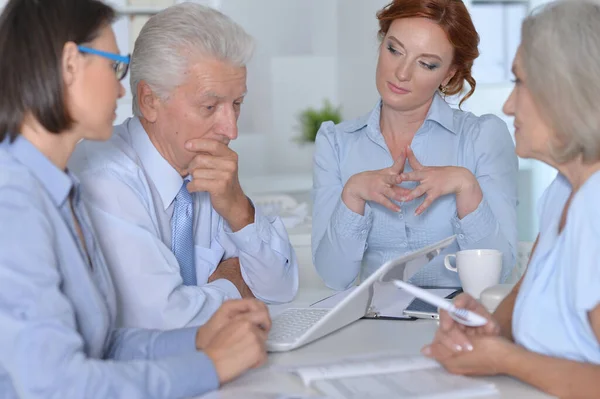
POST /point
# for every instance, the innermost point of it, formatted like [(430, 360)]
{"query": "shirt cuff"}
[(350, 224), (226, 286), (251, 236), (192, 374), (475, 226), (175, 342)]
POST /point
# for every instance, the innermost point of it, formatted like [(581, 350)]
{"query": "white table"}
[(360, 338)]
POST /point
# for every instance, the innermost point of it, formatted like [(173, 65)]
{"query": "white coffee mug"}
[(477, 269)]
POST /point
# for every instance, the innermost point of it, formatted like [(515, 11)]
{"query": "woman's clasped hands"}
[(383, 186)]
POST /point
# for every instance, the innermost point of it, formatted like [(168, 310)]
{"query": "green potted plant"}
[(311, 119)]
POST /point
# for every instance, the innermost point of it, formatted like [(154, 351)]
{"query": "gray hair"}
[(174, 37), (561, 59)]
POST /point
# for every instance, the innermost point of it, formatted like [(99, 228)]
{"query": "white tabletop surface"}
[(364, 337)]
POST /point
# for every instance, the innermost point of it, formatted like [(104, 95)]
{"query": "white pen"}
[(462, 316)]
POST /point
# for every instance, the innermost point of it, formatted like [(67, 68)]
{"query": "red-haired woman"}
[(414, 170)]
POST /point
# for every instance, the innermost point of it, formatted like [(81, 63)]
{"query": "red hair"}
[(452, 16)]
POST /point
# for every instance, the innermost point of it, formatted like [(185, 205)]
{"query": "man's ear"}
[(70, 63), (148, 102)]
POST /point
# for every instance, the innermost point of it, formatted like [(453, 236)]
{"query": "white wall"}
[(298, 82), (122, 33), (283, 32), (357, 49), (292, 69)]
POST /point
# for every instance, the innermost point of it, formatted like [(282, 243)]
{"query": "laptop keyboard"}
[(292, 323)]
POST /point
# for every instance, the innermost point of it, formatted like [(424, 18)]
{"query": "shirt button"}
[(400, 215), (364, 231), (461, 236), (404, 244), (457, 225)]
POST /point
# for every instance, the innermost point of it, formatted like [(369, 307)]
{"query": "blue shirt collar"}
[(439, 112), (165, 178), (56, 182)]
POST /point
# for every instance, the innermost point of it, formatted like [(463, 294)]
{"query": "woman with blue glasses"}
[(120, 64), (60, 70)]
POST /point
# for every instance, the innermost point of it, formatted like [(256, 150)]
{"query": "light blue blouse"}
[(562, 283), (58, 309), (344, 242)]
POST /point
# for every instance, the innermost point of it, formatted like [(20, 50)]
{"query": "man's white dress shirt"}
[(130, 189)]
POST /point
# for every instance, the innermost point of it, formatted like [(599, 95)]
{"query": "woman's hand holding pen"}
[(452, 337)]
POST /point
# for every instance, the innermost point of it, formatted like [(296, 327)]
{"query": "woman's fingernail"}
[(458, 348), (426, 350), (470, 347)]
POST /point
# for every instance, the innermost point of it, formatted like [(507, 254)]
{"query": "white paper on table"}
[(423, 384), (291, 214), (388, 377), (365, 365), (240, 393)]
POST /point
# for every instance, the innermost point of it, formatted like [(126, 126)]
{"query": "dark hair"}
[(33, 34), (453, 17)]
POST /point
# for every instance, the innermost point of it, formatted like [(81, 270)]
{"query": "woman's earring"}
[(443, 89)]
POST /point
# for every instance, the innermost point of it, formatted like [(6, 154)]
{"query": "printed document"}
[(389, 377)]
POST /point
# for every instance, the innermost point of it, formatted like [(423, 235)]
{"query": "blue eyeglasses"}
[(120, 64)]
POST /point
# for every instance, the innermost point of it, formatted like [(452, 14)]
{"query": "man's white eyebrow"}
[(212, 94)]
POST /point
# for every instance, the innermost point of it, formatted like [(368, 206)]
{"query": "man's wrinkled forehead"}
[(217, 79)]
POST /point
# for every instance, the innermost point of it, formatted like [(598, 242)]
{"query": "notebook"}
[(389, 377)]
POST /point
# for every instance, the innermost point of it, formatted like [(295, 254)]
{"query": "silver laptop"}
[(299, 326)]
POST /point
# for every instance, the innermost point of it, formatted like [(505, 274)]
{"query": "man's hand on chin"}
[(214, 169)]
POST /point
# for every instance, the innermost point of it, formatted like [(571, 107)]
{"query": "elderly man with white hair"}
[(179, 234)]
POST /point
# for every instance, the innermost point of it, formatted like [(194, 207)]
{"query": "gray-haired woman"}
[(547, 331)]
